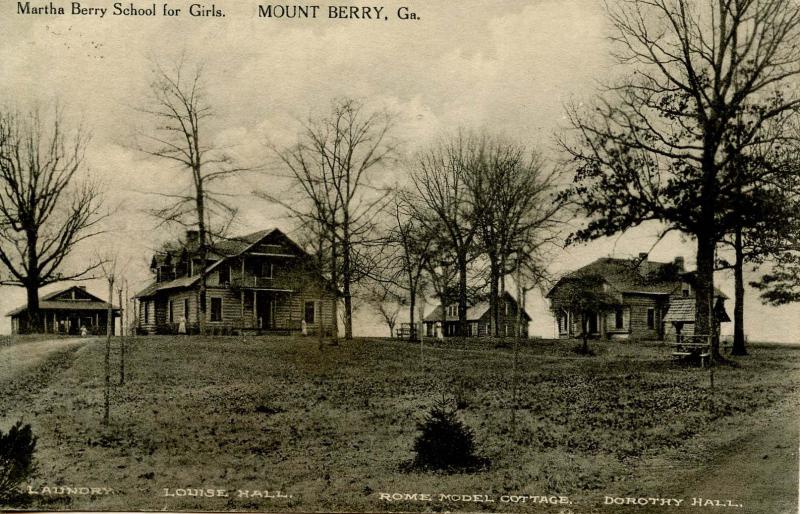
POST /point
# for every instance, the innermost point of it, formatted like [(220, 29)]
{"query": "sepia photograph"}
[(403, 256)]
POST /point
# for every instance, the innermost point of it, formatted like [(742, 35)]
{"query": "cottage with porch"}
[(261, 282), (651, 300), (66, 311)]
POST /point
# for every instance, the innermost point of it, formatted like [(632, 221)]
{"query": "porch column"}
[(242, 297), (255, 310)]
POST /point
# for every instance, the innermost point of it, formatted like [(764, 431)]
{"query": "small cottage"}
[(438, 324), (649, 300), (67, 311)]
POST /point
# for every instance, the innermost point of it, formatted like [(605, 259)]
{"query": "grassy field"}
[(332, 429)]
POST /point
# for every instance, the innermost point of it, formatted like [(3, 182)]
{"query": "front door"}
[(264, 310), (593, 323)]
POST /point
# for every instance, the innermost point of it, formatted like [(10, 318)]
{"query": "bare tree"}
[(442, 201), (515, 201), (180, 112), (44, 211), (385, 302), (408, 246), (110, 267), (705, 79), (331, 169)]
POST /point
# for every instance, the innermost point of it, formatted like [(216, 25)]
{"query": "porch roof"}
[(66, 305)]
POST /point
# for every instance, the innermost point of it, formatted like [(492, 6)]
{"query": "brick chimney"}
[(680, 263), (192, 236)]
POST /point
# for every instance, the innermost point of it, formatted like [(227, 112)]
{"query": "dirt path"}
[(19, 359), (28, 367), (758, 472)]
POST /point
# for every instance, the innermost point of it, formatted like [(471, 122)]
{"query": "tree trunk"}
[(494, 295), (122, 341), (704, 292), (462, 295), (412, 302), (33, 314), (346, 279), (202, 239), (335, 281), (585, 332), (107, 360), (738, 307)]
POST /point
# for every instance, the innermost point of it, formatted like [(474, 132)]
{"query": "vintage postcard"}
[(400, 256)]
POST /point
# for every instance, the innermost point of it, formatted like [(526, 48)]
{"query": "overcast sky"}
[(505, 66)]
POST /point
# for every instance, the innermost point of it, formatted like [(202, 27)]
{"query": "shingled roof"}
[(637, 275), (223, 247), (89, 302), (474, 312)]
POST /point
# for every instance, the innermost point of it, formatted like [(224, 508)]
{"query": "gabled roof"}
[(474, 312), (51, 301), (231, 247), (636, 276), (224, 247)]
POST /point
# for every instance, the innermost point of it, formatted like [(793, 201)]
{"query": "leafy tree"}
[(705, 84), (585, 296)]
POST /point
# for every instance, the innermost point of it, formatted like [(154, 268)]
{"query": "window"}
[(170, 312), (146, 308), (651, 318), (619, 321), (186, 308), (310, 310), (224, 274), (686, 293), (266, 269), (216, 309)]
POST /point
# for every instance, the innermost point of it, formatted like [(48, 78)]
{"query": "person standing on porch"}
[(182, 325)]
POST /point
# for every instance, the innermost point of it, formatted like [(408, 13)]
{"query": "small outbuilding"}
[(67, 311)]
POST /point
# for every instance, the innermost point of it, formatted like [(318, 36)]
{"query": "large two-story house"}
[(260, 282), (646, 300)]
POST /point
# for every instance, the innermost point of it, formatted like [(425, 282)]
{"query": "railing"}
[(253, 281)]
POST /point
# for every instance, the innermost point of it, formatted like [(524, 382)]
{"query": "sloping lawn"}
[(332, 429)]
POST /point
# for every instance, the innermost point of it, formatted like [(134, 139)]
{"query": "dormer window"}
[(267, 269)]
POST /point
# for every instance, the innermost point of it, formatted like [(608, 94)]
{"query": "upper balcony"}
[(254, 282)]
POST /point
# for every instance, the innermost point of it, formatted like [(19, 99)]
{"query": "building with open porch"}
[(258, 283)]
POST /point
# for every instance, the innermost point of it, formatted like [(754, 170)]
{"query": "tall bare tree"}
[(180, 111), (442, 201), (332, 169), (45, 212), (408, 246), (703, 80), (515, 202)]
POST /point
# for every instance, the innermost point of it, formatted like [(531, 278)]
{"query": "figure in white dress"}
[(182, 325), (304, 327)]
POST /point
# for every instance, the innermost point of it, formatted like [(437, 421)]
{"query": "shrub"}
[(444, 442), (16, 459)]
